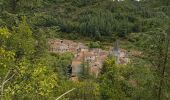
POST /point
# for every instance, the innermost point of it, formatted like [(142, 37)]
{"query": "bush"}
[(94, 44)]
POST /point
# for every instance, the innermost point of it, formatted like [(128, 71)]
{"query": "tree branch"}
[(5, 81), (65, 93)]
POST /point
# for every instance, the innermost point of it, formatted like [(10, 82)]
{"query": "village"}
[(94, 57)]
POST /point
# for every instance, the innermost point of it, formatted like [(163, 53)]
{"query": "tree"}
[(156, 50), (133, 81), (32, 81), (84, 74), (22, 40), (112, 81), (6, 59), (16, 5), (85, 90)]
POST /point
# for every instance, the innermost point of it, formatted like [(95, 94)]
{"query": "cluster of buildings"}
[(92, 58)]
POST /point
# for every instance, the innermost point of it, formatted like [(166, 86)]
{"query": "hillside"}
[(80, 50)]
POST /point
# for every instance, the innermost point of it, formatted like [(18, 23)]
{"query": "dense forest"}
[(28, 71)]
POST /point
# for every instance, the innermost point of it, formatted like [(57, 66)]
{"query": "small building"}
[(76, 67)]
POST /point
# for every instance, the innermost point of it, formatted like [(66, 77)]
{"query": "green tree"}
[(112, 81), (6, 61), (32, 81), (156, 50), (86, 90), (127, 82), (16, 5), (22, 40)]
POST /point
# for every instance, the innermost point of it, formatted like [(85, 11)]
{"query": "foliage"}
[(85, 90), (25, 77), (22, 41), (29, 71), (156, 52), (32, 81), (127, 82), (95, 44), (112, 81), (6, 56)]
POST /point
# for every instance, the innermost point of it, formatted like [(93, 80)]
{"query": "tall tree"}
[(6, 61), (156, 49), (112, 81), (22, 41)]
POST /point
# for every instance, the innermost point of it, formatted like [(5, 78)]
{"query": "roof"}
[(88, 54)]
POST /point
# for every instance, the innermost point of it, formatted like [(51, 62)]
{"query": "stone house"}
[(89, 56), (123, 57), (95, 68), (61, 46), (76, 67)]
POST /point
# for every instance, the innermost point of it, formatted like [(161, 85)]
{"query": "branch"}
[(5, 81), (8, 79), (65, 93), (6, 75)]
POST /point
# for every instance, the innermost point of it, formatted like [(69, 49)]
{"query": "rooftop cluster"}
[(92, 58)]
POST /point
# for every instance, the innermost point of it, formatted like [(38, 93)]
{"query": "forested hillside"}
[(28, 71)]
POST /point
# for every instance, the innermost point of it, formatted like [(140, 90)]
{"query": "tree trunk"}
[(14, 5), (162, 74)]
